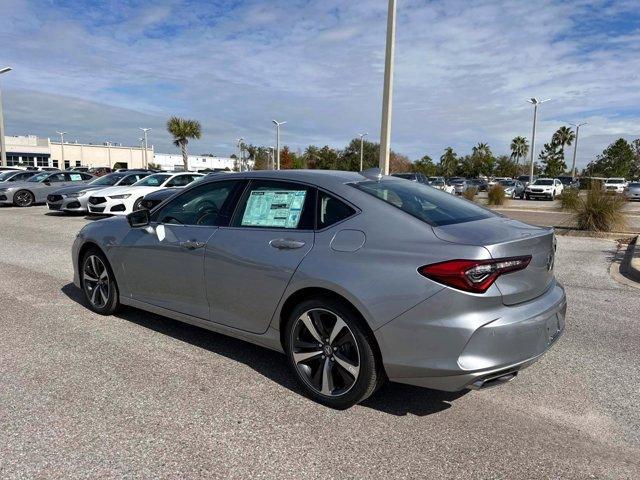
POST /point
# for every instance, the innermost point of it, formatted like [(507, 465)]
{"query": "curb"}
[(630, 265)]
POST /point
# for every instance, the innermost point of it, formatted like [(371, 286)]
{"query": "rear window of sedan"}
[(430, 205)]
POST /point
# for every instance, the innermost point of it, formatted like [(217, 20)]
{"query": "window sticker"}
[(75, 177), (274, 208)]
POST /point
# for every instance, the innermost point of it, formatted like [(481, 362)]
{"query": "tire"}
[(526, 197), (23, 198), (102, 296), (137, 205), (348, 356), (553, 196)]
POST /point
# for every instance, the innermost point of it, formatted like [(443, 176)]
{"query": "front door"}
[(164, 262), (249, 264)]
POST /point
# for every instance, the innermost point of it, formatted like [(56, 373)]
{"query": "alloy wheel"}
[(325, 352), (23, 198), (97, 285)]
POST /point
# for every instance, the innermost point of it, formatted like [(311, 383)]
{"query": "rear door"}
[(249, 264)]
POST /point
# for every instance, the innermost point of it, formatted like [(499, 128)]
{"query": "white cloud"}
[(463, 71)]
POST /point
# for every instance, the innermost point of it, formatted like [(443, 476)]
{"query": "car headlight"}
[(120, 197)]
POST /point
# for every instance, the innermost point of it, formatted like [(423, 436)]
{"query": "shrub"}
[(569, 198), (470, 193), (600, 212), (496, 195)]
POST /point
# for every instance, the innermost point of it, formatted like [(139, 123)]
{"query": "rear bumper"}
[(453, 353)]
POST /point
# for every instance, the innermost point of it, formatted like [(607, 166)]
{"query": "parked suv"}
[(614, 185), (547, 188)]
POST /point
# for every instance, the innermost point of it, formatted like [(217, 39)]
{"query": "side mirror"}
[(139, 218)]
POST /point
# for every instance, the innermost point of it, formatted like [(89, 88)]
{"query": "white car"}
[(442, 185), (615, 185), (124, 200), (548, 188)]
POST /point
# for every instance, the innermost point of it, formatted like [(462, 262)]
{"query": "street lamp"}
[(239, 143), (387, 94), (146, 160), (3, 147), (62, 134), (575, 148), (277, 124), (272, 157), (535, 102), (362, 135)]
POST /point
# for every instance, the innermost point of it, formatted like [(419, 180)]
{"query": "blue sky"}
[(100, 70)]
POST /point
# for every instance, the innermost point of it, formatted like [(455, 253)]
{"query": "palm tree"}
[(563, 136), (519, 148), (482, 150), (182, 130)]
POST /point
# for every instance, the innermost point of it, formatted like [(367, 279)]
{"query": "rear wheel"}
[(23, 198), (331, 353), (98, 283)]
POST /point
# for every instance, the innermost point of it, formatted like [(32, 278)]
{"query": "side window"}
[(274, 204), (210, 204), (331, 210), (86, 176), (58, 177), (179, 181)]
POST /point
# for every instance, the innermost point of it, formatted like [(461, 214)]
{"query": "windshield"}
[(507, 183), (456, 181), (39, 177), (430, 205), (615, 180), (523, 178), (6, 175), (543, 182), (108, 180), (153, 180)]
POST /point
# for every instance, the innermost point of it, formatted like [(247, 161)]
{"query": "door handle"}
[(286, 244), (192, 244)]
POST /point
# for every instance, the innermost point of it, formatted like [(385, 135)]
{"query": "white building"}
[(33, 151), (171, 162)]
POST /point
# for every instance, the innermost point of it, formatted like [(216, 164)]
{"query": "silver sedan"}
[(35, 189), (357, 278)]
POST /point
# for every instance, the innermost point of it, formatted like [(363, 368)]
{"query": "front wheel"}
[(138, 205), (99, 283), (331, 354), (23, 198)]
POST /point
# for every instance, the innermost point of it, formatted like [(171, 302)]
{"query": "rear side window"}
[(274, 204), (331, 210), (430, 205)]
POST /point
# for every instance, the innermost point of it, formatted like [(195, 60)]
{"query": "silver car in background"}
[(74, 199), (357, 278), (632, 191), (36, 188)]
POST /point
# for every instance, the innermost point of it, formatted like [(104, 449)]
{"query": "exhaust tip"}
[(494, 380)]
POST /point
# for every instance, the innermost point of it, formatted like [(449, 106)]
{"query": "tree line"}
[(620, 159)]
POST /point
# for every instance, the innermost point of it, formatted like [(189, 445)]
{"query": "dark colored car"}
[(414, 177), (100, 171), (525, 179), (153, 199), (16, 176), (569, 182), (478, 183)]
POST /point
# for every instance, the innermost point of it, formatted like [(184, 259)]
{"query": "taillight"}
[(473, 275)]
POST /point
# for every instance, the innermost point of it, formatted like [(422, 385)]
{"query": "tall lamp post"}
[(146, 160), (272, 157), (239, 143), (362, 135), (3, 147), (575, 148), (387, 95), (535, 102), (62, 134), (277, 124)]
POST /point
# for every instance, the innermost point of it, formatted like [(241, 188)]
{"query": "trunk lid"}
[(504, 237)]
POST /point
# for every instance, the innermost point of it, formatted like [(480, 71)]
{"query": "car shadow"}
[(392, 398)]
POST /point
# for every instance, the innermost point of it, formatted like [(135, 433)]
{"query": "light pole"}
[(535, 102), (575, 148), (62, 134), (272, 158), (362, 135), (387, 94), (146, 160), (239, 143), (3, 146), (277, 124), (109, 152)]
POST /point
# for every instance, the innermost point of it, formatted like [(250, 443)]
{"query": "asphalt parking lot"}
[(142, 396)]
